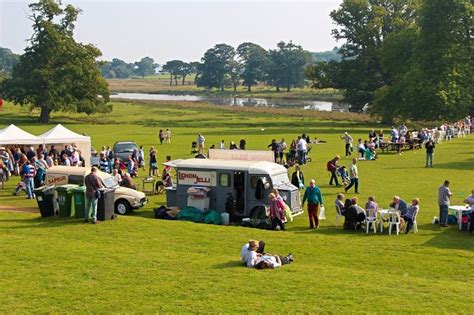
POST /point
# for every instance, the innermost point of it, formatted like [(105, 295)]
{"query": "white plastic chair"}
[(338, 214), (370, 217), (394, 220), (415, 225)]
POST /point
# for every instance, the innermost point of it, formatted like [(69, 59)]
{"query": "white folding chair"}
[(338, 214), (394, 220), (415, 225), (370, 218)]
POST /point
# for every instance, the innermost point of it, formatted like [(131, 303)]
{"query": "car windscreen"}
[(124, 148), (109, 182), (280, 179)]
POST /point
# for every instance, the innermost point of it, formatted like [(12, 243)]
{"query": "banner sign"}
[(242, 155), (53, 179), (197, 178)]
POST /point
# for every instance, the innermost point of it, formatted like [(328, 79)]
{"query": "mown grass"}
[(160, 85), (138, 264)]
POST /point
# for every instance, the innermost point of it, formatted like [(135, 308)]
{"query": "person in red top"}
[(332, 167), (277, 208)]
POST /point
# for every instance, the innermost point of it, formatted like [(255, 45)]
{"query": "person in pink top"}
[(277, 208)]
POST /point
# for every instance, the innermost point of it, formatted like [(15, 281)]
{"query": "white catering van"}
[(126, 199), (237, 187)]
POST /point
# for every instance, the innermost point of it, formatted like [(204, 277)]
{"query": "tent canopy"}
[(62, 135), (14, 135)]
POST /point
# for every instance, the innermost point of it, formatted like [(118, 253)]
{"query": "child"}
[(20, 187), (343, 173)]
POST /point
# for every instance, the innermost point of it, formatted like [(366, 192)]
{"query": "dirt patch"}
[(16, 209)]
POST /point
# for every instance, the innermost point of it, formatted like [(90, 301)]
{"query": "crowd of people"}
[(32, 164)]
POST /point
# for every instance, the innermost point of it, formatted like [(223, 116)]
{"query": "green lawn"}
[(139, 264)]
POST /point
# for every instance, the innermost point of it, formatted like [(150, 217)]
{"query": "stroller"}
[(308, 158), (342, 173), (194, 147), (290, 158)]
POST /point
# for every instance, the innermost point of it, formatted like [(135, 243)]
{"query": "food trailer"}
[(237, 187)]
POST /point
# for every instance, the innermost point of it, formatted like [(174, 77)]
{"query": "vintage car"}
[(126, 199)]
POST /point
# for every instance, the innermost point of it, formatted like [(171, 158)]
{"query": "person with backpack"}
[(332, 166)]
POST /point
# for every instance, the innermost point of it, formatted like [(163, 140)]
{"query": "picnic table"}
[(459, 210)]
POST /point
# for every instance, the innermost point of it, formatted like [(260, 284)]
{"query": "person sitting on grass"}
[(251, 252), (268, 261), (410, 214), (361, 148)]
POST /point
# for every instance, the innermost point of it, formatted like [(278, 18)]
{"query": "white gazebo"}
[(12, 135), (61, 135)]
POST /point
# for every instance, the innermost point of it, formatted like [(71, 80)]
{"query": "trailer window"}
[(224, 180)]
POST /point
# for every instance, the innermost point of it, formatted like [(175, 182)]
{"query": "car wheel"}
[(122, 207)]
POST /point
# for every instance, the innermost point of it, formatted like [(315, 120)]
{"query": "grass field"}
[(142, 265), (159, 84)]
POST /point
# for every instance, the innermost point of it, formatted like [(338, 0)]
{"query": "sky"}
[(167, 30)]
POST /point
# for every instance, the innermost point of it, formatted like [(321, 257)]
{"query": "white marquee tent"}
[(12, 135), (60, 135)]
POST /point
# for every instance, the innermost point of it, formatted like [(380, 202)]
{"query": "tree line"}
[(403, 59), (250, 64), (119, 69)]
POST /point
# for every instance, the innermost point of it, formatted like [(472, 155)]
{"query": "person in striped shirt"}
[(444, 197), (103, 163), (29, 173)]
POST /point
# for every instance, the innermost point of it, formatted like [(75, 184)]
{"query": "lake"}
[(238, 101)]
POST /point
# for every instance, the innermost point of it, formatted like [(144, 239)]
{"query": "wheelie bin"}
[(105, 205), (79, 197), (45, 197), (65, 199)]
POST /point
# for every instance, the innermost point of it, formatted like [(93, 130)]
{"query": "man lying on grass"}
[(253, 255)]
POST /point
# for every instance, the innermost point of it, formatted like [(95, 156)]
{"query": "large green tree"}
[(55, 72), (287, 64), (117, 69), (363, 25), (173, 68), (146, 66), (217, 67), (254, 64)]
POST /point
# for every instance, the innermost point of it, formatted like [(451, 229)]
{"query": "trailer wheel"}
[(258, 213)]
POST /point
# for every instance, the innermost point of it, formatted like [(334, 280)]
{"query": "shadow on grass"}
[(229, 264), (40, 222), (449, 238)]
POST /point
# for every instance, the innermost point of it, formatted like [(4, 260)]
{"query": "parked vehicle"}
[(124, 149), (126, 199), (237, 187)]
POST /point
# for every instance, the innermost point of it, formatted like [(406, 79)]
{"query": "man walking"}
[(29, 173), (93, 184), (315, 199), (429, 146), (332, 167), (354, 176), (444, 197), (200, 142), (348, 141)]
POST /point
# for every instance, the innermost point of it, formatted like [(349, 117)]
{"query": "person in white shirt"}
[(354, 175), (251, 252), (302, 148), (273, 261), (222, 145), (348, 142)]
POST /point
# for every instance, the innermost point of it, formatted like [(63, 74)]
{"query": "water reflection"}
[(238, 101)]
